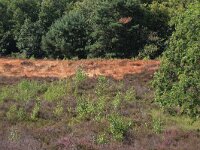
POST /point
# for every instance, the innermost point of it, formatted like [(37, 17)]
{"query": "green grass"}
[(183, 122)]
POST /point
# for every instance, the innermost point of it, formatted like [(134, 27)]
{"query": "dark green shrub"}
[(29, 39), (67, 38)]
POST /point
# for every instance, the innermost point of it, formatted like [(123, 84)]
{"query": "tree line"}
[(87, 28)]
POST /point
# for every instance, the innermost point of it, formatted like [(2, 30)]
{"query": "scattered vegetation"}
[(108, 110)]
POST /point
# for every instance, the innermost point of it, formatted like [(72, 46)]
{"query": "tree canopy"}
[(88, 28), (27, 26)]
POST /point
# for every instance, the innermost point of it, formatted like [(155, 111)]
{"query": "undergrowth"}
[(107, 108)]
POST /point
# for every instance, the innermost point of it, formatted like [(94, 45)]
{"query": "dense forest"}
[(88, 28)]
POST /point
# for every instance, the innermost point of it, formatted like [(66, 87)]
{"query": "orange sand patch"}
[(116, 68)]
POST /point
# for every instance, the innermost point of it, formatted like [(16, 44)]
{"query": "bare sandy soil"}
[(64, 68)]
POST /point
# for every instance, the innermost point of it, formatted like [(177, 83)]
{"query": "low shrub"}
[(58, 110), (16, 114), (27, 90), (79, 77), (35, 111), (119, 126), (117, 101), (85, 108), (157, 125), (56, 91), (130, 95)]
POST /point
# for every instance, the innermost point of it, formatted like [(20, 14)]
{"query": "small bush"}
[(58, 111), (101, 86), (118, 126), (27, 90), (157, 125), (11, 114), (149, 51), (79, 77), (85, 108), (130, 95), (102, 138), (5, 93), (100, 108), (16, 114), (56, 91), (35, 111), (117, 100)]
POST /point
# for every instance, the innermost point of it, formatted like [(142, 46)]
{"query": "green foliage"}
[(25, 22), (177, 81), (182, 122), (27, 90), (100, 107), (56, 91), (49, 11), (172, 7), (11, 114), (118, 126), (7, 42), (5, 93), (149, 51), (130, 95), (101, 86), (23, 91), (58, 111), (79, 77), (18, 12), (68, 37), (29, 39), (102, 138), (85, 108), (35, 111), (48, 102), (112, 38), (157, 125), (16, 114), (117, 101), (83, 28)]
